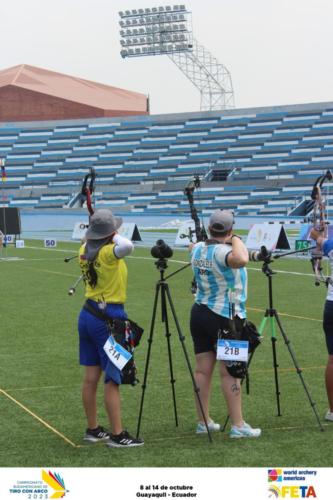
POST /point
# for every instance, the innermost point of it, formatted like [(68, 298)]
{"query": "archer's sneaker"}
[(244, 431), (212, 426), (329, 416), (96, 435), (123, 440)]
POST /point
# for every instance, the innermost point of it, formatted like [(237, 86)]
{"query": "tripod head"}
[(266, 269), (162, 252), (161, 264), (265, 257), (268, 258)]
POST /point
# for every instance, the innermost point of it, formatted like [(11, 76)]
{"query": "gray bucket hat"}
[(102, 224), (221, 220)]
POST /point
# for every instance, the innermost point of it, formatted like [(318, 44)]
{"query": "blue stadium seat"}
[(271, 157)]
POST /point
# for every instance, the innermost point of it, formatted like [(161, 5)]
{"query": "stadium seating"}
[(254, 161)]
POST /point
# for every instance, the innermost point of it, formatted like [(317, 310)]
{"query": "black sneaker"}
[(123, 440), (96, 435)]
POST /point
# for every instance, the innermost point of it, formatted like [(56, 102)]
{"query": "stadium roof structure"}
[(31, 93)]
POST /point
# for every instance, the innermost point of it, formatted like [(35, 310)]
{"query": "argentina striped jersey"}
[(219, 287)]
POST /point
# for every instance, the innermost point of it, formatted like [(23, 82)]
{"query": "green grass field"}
[(42, 420)]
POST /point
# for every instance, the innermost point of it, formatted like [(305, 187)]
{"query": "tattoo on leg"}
[(235, 389)]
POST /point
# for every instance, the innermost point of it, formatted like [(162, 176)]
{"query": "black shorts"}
[(204, 326), (328, 325)]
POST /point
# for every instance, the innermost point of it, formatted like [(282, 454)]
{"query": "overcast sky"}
[(277, 51)]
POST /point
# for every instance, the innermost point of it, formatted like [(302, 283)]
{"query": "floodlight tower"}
[(168, 31)]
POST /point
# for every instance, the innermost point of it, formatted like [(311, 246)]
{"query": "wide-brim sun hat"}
[(102, 224), (221, 221)]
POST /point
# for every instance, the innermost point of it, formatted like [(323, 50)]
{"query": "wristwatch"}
[(235, 236)]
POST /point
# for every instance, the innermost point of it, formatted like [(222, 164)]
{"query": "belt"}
[(96, 312)]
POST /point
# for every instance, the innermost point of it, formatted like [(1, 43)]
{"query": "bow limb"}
[(87, 190), (199, 230), (90, 190), (319, 224)]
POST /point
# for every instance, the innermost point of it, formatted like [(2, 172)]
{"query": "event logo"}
[(274, 475), (291, 492), (51, 485), (56, 482), (285, 490), (273, 492)]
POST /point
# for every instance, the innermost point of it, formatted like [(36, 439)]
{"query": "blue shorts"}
[(93, 333), (328, 325)]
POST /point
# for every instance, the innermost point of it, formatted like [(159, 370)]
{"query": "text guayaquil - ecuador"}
[(172, 492)]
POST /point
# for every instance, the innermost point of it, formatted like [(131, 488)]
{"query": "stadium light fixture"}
[(167, 30), (155, 31)]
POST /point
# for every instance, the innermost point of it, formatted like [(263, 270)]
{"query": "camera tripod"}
[(273, 317), (162, 288)]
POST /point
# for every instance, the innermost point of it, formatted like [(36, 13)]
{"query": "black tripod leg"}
[(275, 365), (298, 370), (164, 287), (150, 340), (182, 341)]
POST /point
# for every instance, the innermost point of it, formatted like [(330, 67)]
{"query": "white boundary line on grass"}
[(184, 262), (51, 249), (170, 260)]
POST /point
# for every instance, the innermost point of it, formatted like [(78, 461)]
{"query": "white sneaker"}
[(329, 416), (212, 426), (244, 431)]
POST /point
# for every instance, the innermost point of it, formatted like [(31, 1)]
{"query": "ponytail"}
[(92, 275)]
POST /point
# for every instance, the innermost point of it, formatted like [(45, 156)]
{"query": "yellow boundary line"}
[(48, 426), (285, 314)]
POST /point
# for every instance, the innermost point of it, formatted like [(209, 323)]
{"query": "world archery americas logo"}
[(56, 482), (274, 475)]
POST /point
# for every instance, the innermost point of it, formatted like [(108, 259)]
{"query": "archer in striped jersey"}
[(219, 266)]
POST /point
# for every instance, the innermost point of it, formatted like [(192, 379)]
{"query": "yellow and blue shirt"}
[(111, 284)]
